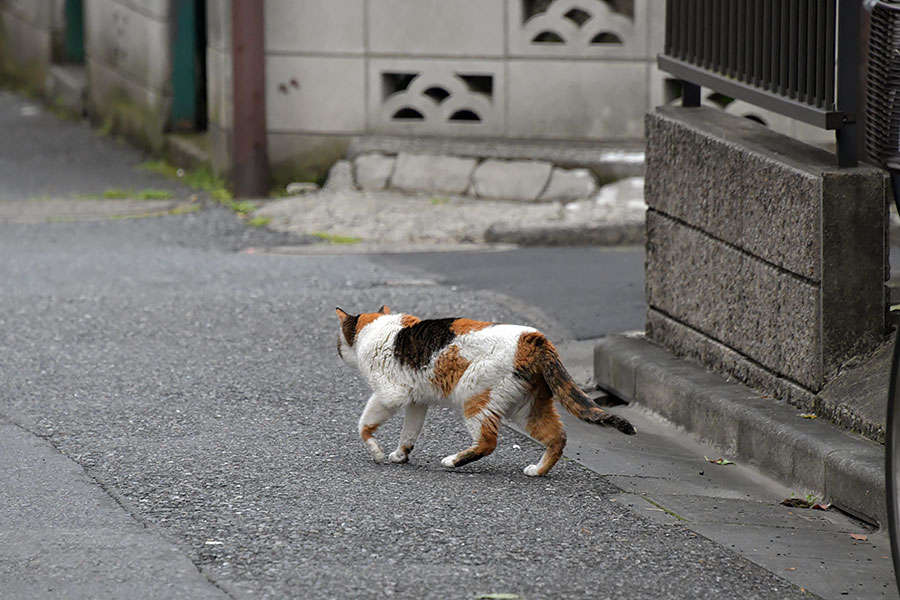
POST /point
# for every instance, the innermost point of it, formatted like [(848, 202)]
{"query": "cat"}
[(490, 370)]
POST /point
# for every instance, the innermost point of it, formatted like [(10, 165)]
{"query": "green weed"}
[(333, 238), (259, 221)]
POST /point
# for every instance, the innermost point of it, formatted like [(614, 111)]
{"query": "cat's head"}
[(350, 327)]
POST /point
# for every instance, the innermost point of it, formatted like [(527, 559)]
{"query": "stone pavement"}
[(415, 201)]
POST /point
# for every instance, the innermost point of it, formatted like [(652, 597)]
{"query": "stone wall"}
[(764, 261), (129, 66)]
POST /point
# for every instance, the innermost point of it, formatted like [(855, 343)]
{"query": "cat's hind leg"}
[(483, 424), (413, 420), (375, 413), (544, 425)]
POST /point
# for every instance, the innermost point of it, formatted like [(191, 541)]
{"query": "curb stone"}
[(567, 234), (770, 435)]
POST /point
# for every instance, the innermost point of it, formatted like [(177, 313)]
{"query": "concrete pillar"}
[(765, 261)]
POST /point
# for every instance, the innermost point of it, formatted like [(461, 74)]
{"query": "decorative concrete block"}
[(511, 179), (432, 174), (373, 171), (436, 27), (760, 243), (315, 26), (569, 184), (315, 94), (129, 42), (552, 99), (581, 29), (436, 97)]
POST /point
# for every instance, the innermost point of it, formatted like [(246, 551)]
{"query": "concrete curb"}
[(607, 234), (811, 455)]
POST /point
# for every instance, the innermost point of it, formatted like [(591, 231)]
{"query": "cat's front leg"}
[(413, 420), (375, 413)]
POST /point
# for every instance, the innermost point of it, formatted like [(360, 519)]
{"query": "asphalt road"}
[(175, 423), (198, 386), (589, 291)]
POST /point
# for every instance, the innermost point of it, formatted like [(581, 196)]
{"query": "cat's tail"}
[(545, 361)]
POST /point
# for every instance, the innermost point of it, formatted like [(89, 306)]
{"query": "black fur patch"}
[(415, 345), (349, 329)]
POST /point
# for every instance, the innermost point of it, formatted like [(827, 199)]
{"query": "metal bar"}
[(785, 51), (716, 36), (812, 38), (802, 35), (786, 106), (741, 41), (250, 164), (849, 137), (820, 52), (757, 43), (765, 53), (693, 32), (732, 39), (831, 33), (690, 94), (707, 30), (793, 46), (670, 23)]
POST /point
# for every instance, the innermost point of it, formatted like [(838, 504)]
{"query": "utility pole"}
[(250, 166)]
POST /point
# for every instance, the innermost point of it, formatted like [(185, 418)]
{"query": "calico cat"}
[(489, 370)]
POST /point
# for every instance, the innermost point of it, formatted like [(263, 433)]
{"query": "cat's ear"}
[(341, 314), (384, 310)]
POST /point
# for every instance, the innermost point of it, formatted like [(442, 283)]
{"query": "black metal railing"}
[(799, 58)]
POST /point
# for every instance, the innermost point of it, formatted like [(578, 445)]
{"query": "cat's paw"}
[(532, 471), (378, 455), (449, 461), (398, 457)]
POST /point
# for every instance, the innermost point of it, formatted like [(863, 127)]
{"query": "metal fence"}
[(799, 58)]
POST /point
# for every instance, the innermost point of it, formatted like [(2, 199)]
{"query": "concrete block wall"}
[(764, 261), (507, 69), (30, 37), (129, 65)]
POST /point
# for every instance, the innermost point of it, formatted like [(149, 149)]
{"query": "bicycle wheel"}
[(892, 458)]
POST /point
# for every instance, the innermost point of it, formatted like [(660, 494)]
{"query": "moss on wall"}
[(304, 157), (118, 113)]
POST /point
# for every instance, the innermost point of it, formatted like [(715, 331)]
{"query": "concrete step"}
[(845, 468)]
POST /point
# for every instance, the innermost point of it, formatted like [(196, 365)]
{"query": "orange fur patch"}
[(529, 350), (368, 431), (545, 426), (365, 319), (409, 320), (463, 326), (476, 403), (448, 369), (487, 441)]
